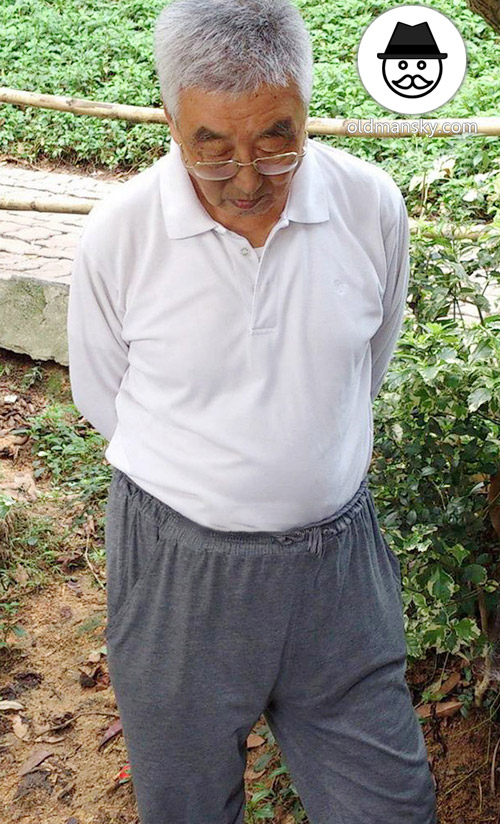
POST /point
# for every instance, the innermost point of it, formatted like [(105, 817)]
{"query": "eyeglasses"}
[(277, 164)]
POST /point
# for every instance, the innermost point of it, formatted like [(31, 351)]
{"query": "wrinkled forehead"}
[(266, 112)]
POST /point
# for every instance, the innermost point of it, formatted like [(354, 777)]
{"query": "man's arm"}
[(97, 352), (384, 341)]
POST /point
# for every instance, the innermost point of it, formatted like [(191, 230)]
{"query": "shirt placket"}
[(260, 286)]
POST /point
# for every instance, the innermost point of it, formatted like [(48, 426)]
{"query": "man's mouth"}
[(408, 80), (246, 204)]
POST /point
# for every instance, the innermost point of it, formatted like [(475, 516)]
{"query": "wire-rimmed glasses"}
[(278, 164)]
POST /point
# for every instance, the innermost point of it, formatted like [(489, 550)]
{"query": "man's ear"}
[(172, 126)]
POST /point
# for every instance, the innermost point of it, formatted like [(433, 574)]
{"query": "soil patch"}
[(57, 767)]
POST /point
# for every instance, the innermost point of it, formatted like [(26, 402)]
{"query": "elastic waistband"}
[(182, 528)]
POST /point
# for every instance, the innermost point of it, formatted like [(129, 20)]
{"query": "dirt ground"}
[(59, 755), (46, 164)]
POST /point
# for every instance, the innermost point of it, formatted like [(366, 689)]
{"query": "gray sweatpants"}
[(209, 629)]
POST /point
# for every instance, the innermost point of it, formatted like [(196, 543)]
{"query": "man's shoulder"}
[(121, 211), (361, 176)]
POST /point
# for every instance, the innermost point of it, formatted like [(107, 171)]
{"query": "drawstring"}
[(315, 541), (298, 535), (314, 538)]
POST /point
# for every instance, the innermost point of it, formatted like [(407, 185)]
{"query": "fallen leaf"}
[(111, 732), (20, 728), (250, 775), (443, 708), (103, 681), (75, 587), (97, 678), (22, 486), (450, 683), (60, 722), (86, 680), (28, 680), (33, 781), (21, 439), (6, 448), (255, 740), (66, 791), (70, 560), (89, 527), (8, 693), (124, 774), (11, 705), (438, 690), (50, 739), (20, 575), (34, 760)]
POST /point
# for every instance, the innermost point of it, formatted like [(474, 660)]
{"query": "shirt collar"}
[(307, 201), (185, 216), (183, 213)]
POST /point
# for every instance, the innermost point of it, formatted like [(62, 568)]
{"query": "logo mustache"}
[(409, 80)]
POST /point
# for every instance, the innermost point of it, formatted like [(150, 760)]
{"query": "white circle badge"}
[(412, 59)]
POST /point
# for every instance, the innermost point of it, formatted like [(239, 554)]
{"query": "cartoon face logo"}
[(412, 63), (401, 65), (411, 77)]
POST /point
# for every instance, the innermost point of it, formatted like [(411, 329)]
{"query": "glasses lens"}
[(215, 171), (276, 165)]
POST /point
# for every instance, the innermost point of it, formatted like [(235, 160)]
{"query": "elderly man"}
[(233, 311)]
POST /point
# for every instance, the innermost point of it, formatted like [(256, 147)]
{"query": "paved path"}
[(36, 257), (41, 244)]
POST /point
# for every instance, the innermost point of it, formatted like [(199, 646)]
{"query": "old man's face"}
[(217, 126)]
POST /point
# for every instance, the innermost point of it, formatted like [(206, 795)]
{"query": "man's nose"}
[(248, 179)]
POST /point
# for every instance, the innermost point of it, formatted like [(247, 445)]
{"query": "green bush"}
[(436, 442)]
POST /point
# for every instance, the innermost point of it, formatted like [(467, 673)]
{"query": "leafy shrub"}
[(436, 443)]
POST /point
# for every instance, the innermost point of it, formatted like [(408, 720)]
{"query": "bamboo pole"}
[(342, 127), (78, 105), (452, 230), (80, 206), (66, 205)]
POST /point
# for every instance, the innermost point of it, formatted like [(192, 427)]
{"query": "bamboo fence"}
[(341, 127)]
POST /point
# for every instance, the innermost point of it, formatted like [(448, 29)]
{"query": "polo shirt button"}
[(244, 251)]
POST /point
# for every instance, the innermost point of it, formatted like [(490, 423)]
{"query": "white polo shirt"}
[(236, 389)]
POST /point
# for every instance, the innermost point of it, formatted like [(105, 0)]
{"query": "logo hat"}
[(413, 42)]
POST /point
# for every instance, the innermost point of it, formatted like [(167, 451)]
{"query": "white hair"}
[(231, 46)]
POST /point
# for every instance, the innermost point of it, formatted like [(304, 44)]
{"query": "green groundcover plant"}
[(437, 427)]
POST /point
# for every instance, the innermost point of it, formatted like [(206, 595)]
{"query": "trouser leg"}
[(194, 641), (341, 710)]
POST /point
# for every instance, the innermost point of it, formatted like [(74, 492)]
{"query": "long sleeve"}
[(385, 339), (97, 352)]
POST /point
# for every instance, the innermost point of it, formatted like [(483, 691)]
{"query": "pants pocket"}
[(394, 562), (132, 544)]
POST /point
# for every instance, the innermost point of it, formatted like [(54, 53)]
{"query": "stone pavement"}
[(36, 255)]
